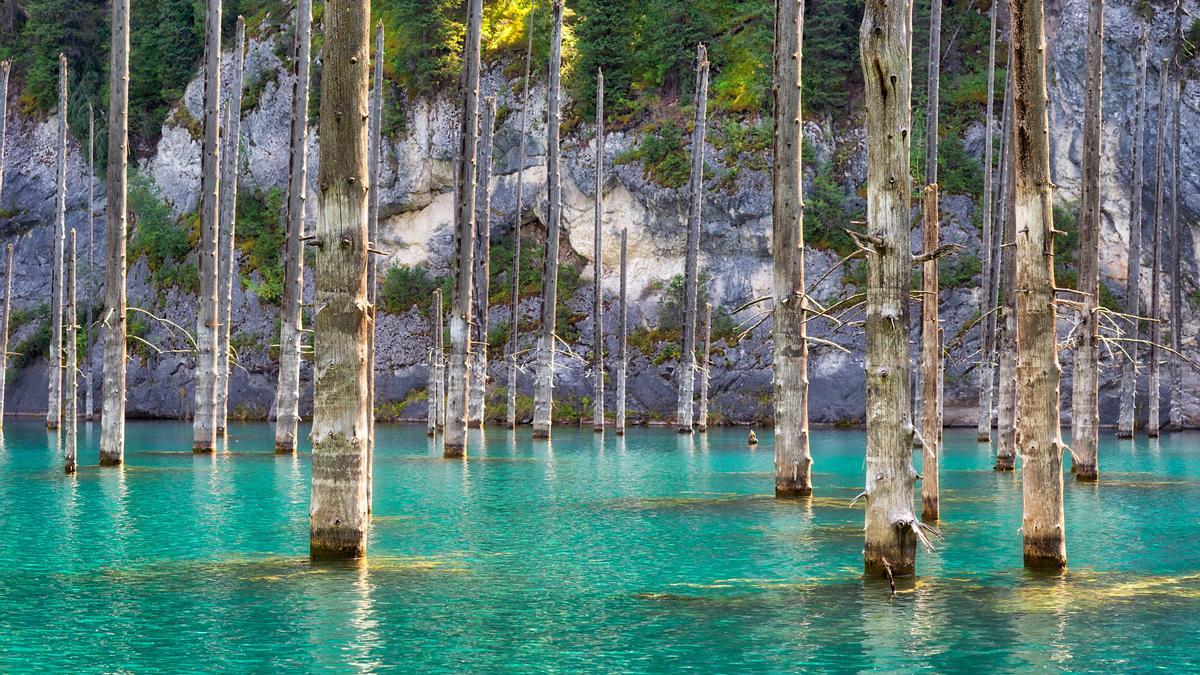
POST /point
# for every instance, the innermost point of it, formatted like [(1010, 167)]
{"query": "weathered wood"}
[(706, 341), (341, 407), (374, 156), (932, 91), (1039, 440), (483, 269), (8, 268), (439, 353), (1085, 393), (54, 403), (5, 71), (71, 392), (543, 390), (1133, 277), (1175, 406), (515, 315), (891, 527), (432, 378), (686, 381), (1006, 405), (89, 407), (622, 336), (1154, 404), (287, 392), (931, 360), (226, 269), (598, 268), (793, 459), (987, 302)]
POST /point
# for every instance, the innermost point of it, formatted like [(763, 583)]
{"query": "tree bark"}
[(71, 395), (1153, 417), (1039, 440), (54, 403), (891, 527), (691, 272), (987, 303), (1175, 409), (543, 391), (287, 393), (514, 320), (439, 353), (931, 358), (89, 407), (706, 341), (112, 421), (483, 269), (431, 383), (793, 460), (597, 268), (5, 71), (1133, 276), (341, 406), (932, 90), (8, 267), (1006, 407), (622, 337), (226, 267), (374, 156)]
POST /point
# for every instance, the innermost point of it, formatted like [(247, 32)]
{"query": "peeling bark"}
[(691, 273), (483, 269), (515, 319), (226, 268), (622, 336), (987, 304), (597, 268), (54, 403), (1133, 280)]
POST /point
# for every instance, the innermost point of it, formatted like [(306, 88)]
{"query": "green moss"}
[(159, 238), (406, 287), (663, 153), (261, 239)]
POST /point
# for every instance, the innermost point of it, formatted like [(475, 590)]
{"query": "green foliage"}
[(37, 344), (664, 155), (157, 236), (826, 214), (831, 66), (162, 59), (958, 270), (1191, 41), (958, 172), (406, 287), (261, 237), (671, 307), (500, 265)]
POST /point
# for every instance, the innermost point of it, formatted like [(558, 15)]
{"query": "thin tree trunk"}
[(89, 407), (1133, 276), (112, 421), (1006, 407), (706, 340), (1038, 436), (691, 271), (793, 460), (514, 321), (1175, 409), (597, 268), (543, 391), (227, 270), (287, 393), (374, 156), (431, 383), (931, 360), (622, 337), (204, 425), (1153, 422), (455, 439), (932, 90), (5, 71), (483, 268), (341, 406), (987, 304), (71, 395), (54, 402), (8, 267), (891, 529), (439, 353)]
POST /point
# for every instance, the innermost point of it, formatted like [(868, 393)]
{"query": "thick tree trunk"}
[(1039, 441), (1133, 276), (987, 303), (622, 336), (932, 90), (455, 439), (931, 360), (891, 529), (341, 407), (8, 268), (597, 268), (204, 425), (1175, 409), (112, 421), (287, 393), (374, 156), (691, 270), (89, 407), (71, 394), (793, 460), (54, 402), (543, 390), (706, 341), (226, 268), (483, 269), (432, 384), (514, 320), (1006, 407), (1153, 403)]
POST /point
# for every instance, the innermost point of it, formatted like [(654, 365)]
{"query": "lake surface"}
[(650, 553)]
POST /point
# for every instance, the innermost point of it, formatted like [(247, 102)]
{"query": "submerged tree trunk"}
[(455, 439), (287, 392), (543, 390), (932, 89), (483, 269), (987, 304), (1039, 440), (1133, 276), (1006, 406), (891, 529), (706, 341), (597, 268), (341, 407), (374, 155), (514, 320), (54, 402), (439, 354), (226, 268), (622, 337), (71, 394), (5, 71), (8, 267), (432, 382), (1153, 403), (1175, 409), (793, 460), (691, 273), (112, 421), (931, 359), (89, 407), (204, 425)]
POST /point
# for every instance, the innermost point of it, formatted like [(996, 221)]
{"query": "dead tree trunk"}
[(931, 357), (892, 529), (8, 267), (1039, 440), (341, 408), (204, 426), (1133, 276), (71, 395), (622, 337), (987, 303), (1006, 407), (691, 270), (543, 391), (597, 268), (287, 393), (1175, 409), (432, 384), (793, 460), (932, 90), (1153, 422), (226, 268), (89, 407), (112, 421), (483, 269), (455, 439), (514, 320), (5, 71), (374, 156), (706, 341), (54, 402), (439, 353)]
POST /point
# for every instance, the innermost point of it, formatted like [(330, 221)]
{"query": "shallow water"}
[(651, 553)]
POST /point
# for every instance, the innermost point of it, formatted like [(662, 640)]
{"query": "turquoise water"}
[(651, 553)]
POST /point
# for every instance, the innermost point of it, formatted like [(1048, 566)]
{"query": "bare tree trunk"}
[(71, 395), (1133, 276), (622, 337), (8, 267), (987, 304), (514, 321), (287, 392), (891, 529), (932, 90), (112, 422), (691, 271), (5, 71), (204, 426), (226, 268), (341, 407), (483, 269), (54, 403), (706, 340), (1175, 409), (1006, 408), (543, 390), (455, 439), (1153, 421), (793, 460), (597, 268), (432, 385), (374, 156), (439, 354), (931, 358), (89, 407), (1039, 439)]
